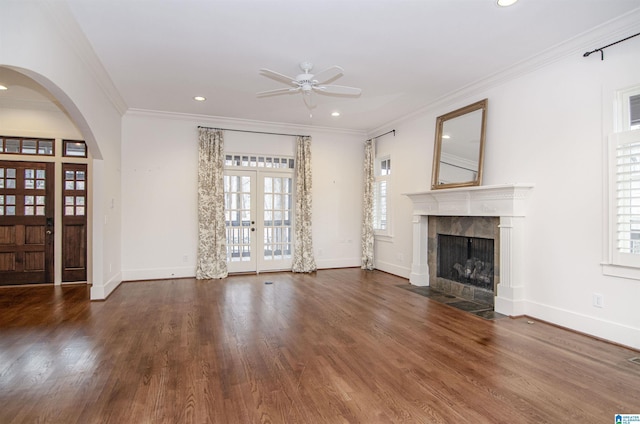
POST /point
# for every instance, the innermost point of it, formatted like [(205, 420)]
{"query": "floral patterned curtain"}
[(367, 206), (303, 260), (212, 255)]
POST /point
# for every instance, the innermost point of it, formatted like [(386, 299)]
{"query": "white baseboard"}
[(322, 263), (603, 329), (157, 273), (101, 292), (400, 271)]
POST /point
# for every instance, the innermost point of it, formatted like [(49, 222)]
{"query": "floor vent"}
[(635, 360)]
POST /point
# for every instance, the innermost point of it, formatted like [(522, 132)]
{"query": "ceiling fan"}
[(308, 83)]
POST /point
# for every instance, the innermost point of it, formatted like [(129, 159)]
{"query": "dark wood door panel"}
[(26, 222), (74, 222)]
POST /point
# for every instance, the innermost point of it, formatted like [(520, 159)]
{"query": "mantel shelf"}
[(493, 200)]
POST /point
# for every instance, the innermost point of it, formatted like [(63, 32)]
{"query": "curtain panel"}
[(367, 237), (212, 255), (303, 259)]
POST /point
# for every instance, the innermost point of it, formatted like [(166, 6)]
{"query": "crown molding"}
[(73, 35), (242, 124), (598, 36)]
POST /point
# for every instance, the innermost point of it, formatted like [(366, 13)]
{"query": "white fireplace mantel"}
[(508, 202)]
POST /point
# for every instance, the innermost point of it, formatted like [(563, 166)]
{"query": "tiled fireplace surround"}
[(507, 203)]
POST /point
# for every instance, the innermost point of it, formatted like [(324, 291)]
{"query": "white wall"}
[(159, 186), (51, 51), (548, 127)]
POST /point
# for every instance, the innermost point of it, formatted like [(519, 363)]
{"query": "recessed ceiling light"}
[(335, 113), (505, 3), (446, 137), (199, 98), (2, 88)]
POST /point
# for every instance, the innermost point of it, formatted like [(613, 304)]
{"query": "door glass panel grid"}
[(237, 189), (277, 214), (8, 188), (34, 186), (75, 188), (27, 146), (258, 161)]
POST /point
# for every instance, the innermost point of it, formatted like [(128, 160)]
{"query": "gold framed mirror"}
[(459, 147)]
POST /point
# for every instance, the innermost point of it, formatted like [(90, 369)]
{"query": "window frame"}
[(617, 263)]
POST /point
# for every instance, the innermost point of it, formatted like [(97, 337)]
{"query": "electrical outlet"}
[(598, 301)]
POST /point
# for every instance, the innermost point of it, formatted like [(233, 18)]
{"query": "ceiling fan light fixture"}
[(506, 3)]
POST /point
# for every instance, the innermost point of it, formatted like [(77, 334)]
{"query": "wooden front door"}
[(26, 222)]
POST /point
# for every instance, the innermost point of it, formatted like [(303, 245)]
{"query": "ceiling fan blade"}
[(278, 91), (338, 89), (328, 74), (277, 76)]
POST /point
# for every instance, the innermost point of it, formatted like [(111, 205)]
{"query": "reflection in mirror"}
[(459, 147)]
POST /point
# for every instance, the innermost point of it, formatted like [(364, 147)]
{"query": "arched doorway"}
[(43, 238)]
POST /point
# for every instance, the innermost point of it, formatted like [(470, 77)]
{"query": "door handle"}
[(253, 229), (49, 232)]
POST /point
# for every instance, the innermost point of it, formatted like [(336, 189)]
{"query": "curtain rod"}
[(253, 132), (608, 45), (378, 136)]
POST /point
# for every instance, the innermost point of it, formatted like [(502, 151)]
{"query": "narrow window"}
[(381, 196)]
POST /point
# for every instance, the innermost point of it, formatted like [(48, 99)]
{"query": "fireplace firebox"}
[(467, 260)]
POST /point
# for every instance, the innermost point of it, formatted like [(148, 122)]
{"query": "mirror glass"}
[(459, 147)]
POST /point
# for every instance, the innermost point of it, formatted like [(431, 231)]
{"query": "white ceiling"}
[(403, 54)]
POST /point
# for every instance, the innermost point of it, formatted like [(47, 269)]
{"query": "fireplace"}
[(464, 256), (489, 212)]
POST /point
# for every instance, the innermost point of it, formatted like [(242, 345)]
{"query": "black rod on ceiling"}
[(601, 49), (378, 136), (253, 132)]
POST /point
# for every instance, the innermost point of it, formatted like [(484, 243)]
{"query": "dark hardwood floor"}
[(339, 346)]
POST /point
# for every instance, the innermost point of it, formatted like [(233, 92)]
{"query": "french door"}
[(259, 220), (26, 222)]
